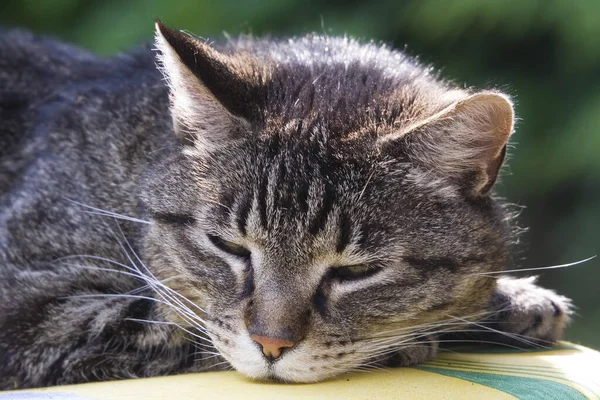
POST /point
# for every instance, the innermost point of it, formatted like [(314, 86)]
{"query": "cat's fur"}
[(310, 155)]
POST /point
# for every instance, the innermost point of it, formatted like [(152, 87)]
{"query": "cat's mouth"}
[(302, 364), (272, 376)]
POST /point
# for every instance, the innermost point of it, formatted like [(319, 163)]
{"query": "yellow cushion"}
[(565, 371)]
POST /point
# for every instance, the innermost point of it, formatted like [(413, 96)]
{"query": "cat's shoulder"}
[(27, 55), (36, 64)]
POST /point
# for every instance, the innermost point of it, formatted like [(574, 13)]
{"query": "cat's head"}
[(327, 202)]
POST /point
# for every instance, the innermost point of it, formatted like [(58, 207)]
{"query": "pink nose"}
[(272, 347)]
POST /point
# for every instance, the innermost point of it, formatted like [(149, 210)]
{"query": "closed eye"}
[(353, 272), (229, 247)]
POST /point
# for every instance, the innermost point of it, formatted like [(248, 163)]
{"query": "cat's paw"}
[(531, 312), (413, 355)]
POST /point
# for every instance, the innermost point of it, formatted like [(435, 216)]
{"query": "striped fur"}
[(331, 194)]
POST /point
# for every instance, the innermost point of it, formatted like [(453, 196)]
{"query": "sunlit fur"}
[(312, 153)]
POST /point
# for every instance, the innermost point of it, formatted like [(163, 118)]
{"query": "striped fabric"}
[(565, 371)]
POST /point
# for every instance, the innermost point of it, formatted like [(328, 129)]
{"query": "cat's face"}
[(306, 248)]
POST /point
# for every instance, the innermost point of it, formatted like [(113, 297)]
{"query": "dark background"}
[(544, 53)]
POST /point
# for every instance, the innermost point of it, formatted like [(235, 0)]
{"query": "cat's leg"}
[(63, 329), (522, 314), (53, 342), (416, 354)]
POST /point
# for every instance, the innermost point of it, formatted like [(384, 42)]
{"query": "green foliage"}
[(545, 53)]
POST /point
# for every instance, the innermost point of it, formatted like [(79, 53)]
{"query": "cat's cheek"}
[(245, 357)]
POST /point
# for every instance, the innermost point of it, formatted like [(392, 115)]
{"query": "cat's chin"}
[(284, 374)]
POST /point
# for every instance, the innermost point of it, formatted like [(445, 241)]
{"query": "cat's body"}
[(53, 97), (279, 165)]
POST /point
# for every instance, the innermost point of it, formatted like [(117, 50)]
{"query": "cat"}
[(293, 209)]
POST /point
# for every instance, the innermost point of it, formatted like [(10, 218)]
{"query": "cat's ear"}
[(465, 141), (210, 92)]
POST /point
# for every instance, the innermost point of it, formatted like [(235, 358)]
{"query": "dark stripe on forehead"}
[(281, 188), (261, 197), (243, 211), (318, 223), (345, 232), (303, 192)]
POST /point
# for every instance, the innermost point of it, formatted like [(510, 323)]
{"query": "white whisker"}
[(499, 332), (106, 213), (173, 324), (113, 215), (539, 268)]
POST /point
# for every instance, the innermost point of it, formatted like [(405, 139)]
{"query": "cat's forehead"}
[(294, 192), (340, 83)]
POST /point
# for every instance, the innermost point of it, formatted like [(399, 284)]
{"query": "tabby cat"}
[(292, 208)]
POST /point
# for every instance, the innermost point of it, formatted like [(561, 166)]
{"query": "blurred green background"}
[(544, 53)]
